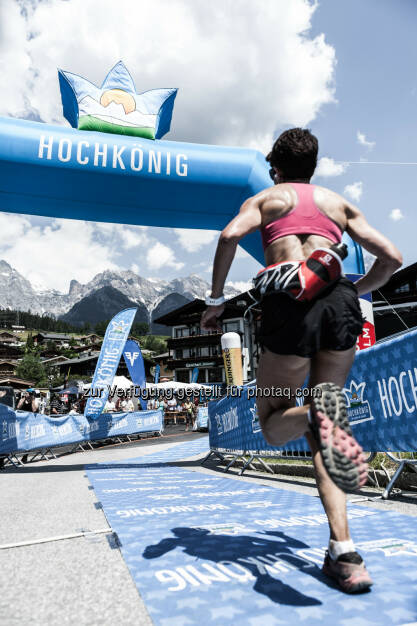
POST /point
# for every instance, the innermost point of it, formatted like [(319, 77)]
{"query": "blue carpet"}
[(204, 549)]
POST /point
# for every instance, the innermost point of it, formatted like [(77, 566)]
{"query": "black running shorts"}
[(333, 321)]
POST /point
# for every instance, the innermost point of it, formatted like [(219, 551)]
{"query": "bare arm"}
[(388, 257), (247, 221)]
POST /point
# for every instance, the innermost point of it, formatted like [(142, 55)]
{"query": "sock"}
[(336, 548)]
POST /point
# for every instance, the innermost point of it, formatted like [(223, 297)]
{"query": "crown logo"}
[(354, 395), (116, 107)]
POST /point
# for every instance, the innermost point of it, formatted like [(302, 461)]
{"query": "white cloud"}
[(328, 167), (363, 141), (396, 215), (240, 285), (354, 191), (135, 268), (243, 104), (12, 228), (51, 255), (125, 236), (192, 239), (161, 255)]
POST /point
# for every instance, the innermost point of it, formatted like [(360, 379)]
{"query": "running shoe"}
[(349, 571), (342, 456)]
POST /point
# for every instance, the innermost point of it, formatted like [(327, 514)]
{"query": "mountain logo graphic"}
[(118, 326), (359, 410), (132, 356)]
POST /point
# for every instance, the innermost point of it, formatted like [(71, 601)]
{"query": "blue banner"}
[(204, 549), (194, 376), (157, 372), (381, 395), (134, 360), (75, 174), (23, 431), (113, 343)]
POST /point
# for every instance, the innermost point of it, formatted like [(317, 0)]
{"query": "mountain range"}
[(103, 296)]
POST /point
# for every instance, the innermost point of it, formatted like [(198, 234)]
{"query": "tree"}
[(140, 328), (30, 344), (100, 328), (154, 343), (31, 368)]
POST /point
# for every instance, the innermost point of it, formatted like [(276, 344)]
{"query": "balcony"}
[(194, 340)]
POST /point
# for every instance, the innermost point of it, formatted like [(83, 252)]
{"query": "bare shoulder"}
[(334, 204), (280, 196)]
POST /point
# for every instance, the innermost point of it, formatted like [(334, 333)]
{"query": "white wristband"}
[(214, 301)]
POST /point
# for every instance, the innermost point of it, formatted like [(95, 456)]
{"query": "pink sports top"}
[(304, 219)]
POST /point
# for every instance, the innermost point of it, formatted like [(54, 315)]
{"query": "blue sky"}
[(344, 68)]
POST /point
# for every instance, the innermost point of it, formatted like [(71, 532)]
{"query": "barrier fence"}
[(23, 432), (381, 396)]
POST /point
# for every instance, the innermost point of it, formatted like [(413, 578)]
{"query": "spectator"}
[(28, 402), (42, 403), (110, 406), (74, 409), (172, 404), (56, 407), (81, 403), (189, 413), (127, 405)]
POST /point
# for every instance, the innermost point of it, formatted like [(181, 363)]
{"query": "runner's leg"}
[(330, 366), (280, 419)]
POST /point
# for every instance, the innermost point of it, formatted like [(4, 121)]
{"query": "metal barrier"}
[(249, 456)]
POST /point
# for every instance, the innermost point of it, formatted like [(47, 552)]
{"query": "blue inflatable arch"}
[(56, 171)]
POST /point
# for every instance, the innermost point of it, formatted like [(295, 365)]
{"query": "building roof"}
[(14, 381), (53, 336), (60, 357), (163, 355), (192, 311), (82, 359)]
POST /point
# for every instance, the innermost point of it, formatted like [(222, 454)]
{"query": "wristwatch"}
[(213, 301)]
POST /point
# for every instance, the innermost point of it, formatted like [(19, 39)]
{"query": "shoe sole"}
[(342, 456)]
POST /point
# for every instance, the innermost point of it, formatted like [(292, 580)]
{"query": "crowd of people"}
[(186, 408), (34, 401)]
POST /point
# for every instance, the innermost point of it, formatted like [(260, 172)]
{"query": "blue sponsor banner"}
[(202, 417), (22, 431), (134, 360), (113, 343), (157, 372), (381, 395), (205, 549), (194, 375)]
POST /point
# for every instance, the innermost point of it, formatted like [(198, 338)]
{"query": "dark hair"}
[(294, 153)]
